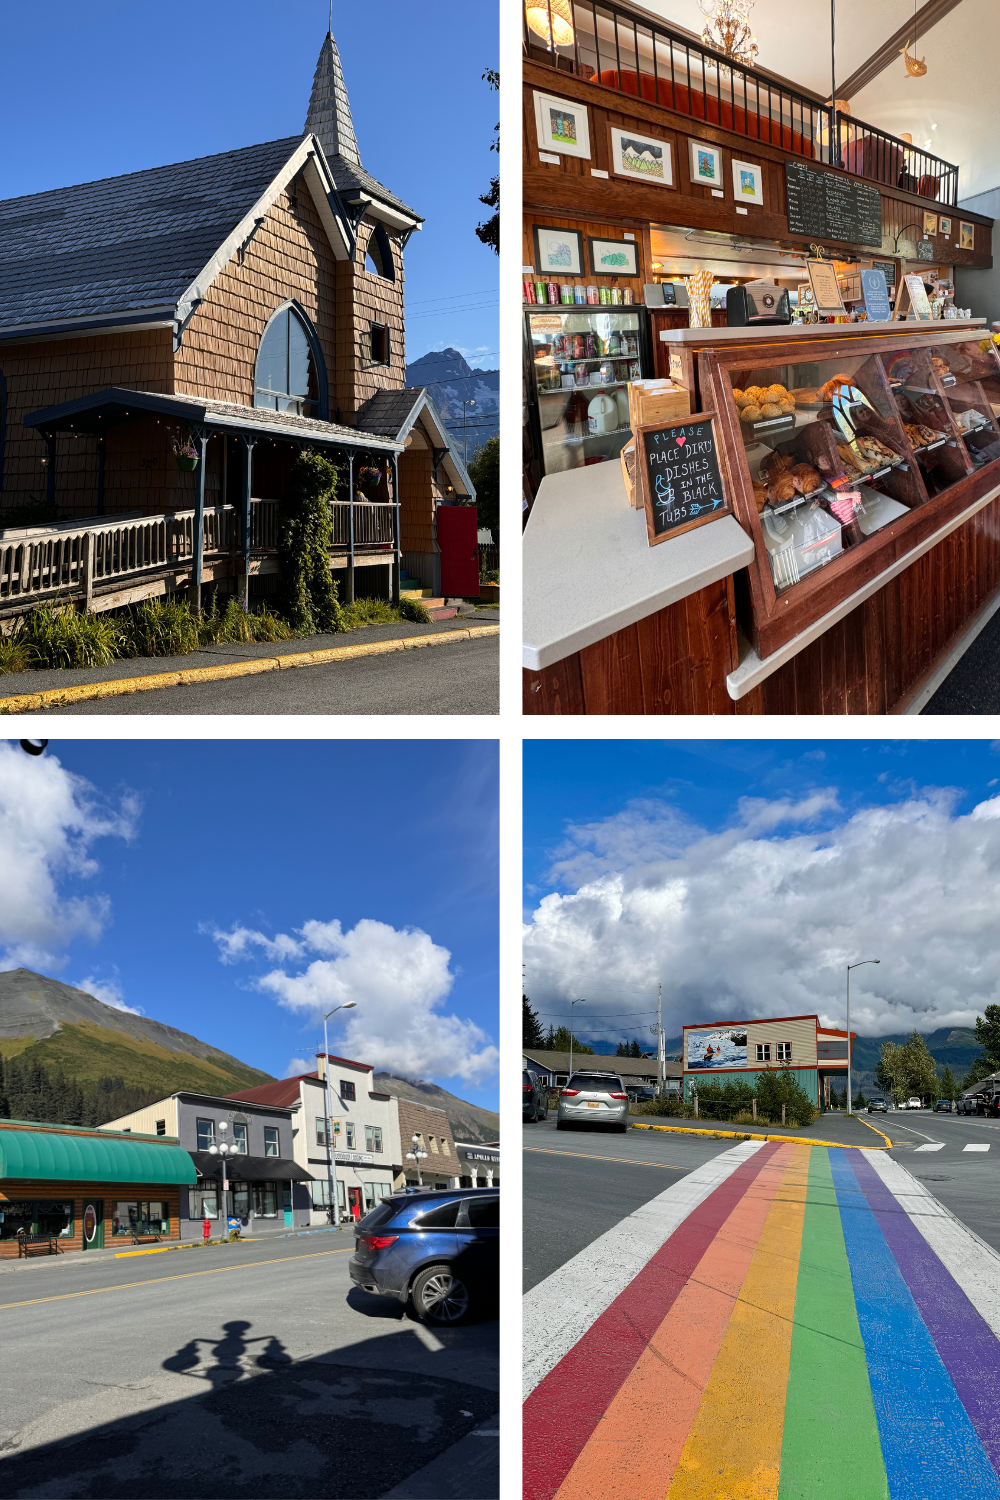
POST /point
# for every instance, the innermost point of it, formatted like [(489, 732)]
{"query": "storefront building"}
[(691, 233), (361, 1125), (426, 1129), (816, 1056), (480, 1163), (88, 1189), (257, 1181)]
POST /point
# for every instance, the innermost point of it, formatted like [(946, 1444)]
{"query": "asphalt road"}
[(579, 1183), (966, 1182), (459, 678), (237, 1370)]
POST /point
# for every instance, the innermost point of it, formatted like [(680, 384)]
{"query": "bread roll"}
[(740, 397), (754, 394), (750, 413), (770, 409)]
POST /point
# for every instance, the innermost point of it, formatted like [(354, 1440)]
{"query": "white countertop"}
[(589, 570), (782, 332)]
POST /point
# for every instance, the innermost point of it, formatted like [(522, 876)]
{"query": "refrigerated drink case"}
[(581, 360)]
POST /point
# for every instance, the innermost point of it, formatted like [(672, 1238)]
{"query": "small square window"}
[(379, 344), (784, 1051), (763, 1051), (347, 1090), (206, 1135), (161, 1127), (270, 1140)]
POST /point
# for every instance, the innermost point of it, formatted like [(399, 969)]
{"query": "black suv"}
[(534, 1097)]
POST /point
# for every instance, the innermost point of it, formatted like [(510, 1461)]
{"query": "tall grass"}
[(158, 627), (61, 637)]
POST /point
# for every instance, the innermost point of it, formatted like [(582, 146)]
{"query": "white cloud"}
[(761, 918), (399, 980), (296, 1067), (109, 991), (49, 821)]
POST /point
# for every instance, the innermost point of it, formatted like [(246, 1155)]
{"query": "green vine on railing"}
[(305, 533)]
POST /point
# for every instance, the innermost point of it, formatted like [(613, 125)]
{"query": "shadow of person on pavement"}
[(229, 1354)]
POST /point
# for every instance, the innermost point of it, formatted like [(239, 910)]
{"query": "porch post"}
[(201, 438), (100, 476), (50, 468), (350, 527), (395, 531), (248, 443)]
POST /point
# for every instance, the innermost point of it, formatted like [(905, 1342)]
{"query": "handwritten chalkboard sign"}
[(832, 206), (682, 480)]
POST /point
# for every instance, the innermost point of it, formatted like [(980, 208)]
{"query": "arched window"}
[(290, 372), (378, 258)]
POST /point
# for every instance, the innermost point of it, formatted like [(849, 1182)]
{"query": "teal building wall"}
[(806, 1078)]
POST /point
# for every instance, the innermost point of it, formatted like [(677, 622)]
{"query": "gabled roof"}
[(393, 414), (284, 1091), (151, 240), (329, 120)]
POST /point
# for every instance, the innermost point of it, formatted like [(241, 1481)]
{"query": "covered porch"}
[(107, 560)]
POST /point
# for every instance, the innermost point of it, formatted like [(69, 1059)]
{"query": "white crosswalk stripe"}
[(939, 1147), (977, 1148)]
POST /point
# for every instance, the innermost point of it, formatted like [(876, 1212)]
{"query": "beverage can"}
[(529, 291), (616, 296), (629, 296), (605, 296), (593, 296), (541, 294), (566, 293), (552, 293)]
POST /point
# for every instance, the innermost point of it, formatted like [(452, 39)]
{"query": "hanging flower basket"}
[(187, 461), (185, 452)]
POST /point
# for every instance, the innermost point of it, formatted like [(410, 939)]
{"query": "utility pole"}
[(659, 1041), (859, 965), (571, 1005)]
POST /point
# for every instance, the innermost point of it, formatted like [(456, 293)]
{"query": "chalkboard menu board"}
[(832, 206), (683, 483)]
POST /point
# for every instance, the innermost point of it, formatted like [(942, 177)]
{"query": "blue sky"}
[(743, 875), (142, 866), (96, 90)]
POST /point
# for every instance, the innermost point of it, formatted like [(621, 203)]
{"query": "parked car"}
[(944, 1105), (439, 1250), (877, 1106), (913, 1103), (968, 1104), (989, 1105), (593, 1099), (640, 1094), (534, 1097)]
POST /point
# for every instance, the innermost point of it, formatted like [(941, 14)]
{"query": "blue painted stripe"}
[(929, 1444)]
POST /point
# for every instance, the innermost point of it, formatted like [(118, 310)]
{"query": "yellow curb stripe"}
[(746, 1135), (245, 1239), (888, 1143), (118, 687), (126, 1286), (631, 1161)]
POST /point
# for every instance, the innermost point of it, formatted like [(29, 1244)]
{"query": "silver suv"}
[(593, 1099)]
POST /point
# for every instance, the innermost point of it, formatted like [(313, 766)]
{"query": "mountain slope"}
[(468, 1122), (450, 381), (43, 1020)]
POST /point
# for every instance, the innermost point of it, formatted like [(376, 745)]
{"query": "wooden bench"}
[(144, 1239), (27, 1244)]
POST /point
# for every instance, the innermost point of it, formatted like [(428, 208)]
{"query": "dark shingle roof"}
[(126, 243), (347, 176), (388, 412)]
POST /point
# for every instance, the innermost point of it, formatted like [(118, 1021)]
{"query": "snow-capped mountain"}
[(451, 381)]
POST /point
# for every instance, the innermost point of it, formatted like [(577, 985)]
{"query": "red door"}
[(354, 1200), (458, 538)]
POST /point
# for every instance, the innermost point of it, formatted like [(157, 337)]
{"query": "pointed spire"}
[(329, 116)]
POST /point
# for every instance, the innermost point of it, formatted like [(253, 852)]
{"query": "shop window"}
[(347, 1089), (206, 1135), (55, 1219), (241, 1199), (320, 1194), (350, 1137), (203, 1203), (784, 1051), (321, 1132), (271, 1140), (128, 1218), (286, 1195), (831, 1051), (161, 1127), (240, 1139), (379, 345), (375, 1192), (373, 1138), (763, 1051), (290, 372), (14, 1217), (378, 256)]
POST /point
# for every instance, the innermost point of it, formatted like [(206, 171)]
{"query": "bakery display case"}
[(843, 459)]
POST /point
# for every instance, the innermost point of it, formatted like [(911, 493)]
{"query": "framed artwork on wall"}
[(945, 224), (613, 257), (562, 125), (748, 182), (641, 157), (930, 224), (706, 164), (968, 233), (558, 251)]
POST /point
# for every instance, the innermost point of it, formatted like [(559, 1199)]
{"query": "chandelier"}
[(727, 29), (551, 20)]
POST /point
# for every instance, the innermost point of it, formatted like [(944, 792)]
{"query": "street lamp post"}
[(860, 964), (465, 429), (571, 1005), (418, 1156), (331, 1165), (224, 1150)]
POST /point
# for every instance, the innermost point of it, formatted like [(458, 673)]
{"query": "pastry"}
[(750, 413), (919, 435), (786, 407), (877, 453), (831, 385), (807, 396), (759, 494), (754, 394), (773, 464), (769, 409), (781, 489), (776, 393), (849, 459), (806, 478), (939, 365), (740, 397)]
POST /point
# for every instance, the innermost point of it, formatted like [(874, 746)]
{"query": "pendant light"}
[(552, 20)]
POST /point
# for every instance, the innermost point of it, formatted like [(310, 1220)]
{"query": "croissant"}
[(781, 489), (806, 478), (759, 494)]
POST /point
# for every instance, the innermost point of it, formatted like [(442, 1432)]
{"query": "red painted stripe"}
[(564, 1409)]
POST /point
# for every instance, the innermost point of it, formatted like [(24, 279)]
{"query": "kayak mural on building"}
[(716, 1049)]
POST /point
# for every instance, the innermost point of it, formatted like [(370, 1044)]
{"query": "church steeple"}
[(329, 117)]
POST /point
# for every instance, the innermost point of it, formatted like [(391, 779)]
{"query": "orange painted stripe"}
[(635, 1448), (734, 1446)]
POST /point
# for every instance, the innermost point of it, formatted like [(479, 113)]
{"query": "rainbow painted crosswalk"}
[(787, 1321)]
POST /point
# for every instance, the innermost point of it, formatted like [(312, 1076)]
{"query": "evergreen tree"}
[(635, 1050), (981, 1068), (531, 1029), (988, 1037), (949, 1088), (622, 1050)]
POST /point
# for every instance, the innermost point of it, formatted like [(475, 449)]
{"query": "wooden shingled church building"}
[(170, 340)]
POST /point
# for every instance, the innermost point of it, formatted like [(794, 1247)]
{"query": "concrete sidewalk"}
[(844, 1130)]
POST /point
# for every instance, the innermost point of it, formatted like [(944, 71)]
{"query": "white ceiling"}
[(959, 94)]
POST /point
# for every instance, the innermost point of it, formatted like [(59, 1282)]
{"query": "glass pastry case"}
[(844, 458)]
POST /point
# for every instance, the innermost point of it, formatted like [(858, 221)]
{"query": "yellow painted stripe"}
[(127, 1286), (734, 1446), (630, 1161), (120, 686), (746, 1135), (877, 1132)]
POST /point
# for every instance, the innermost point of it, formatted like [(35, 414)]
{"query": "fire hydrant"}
[(206, 1230)]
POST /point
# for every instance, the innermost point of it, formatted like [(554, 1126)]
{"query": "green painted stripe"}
[(831, 1444)]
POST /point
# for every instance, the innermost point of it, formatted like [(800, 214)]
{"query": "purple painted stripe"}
[(966, 1343)]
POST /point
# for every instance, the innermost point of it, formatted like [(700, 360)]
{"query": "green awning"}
[(42, 1157)]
